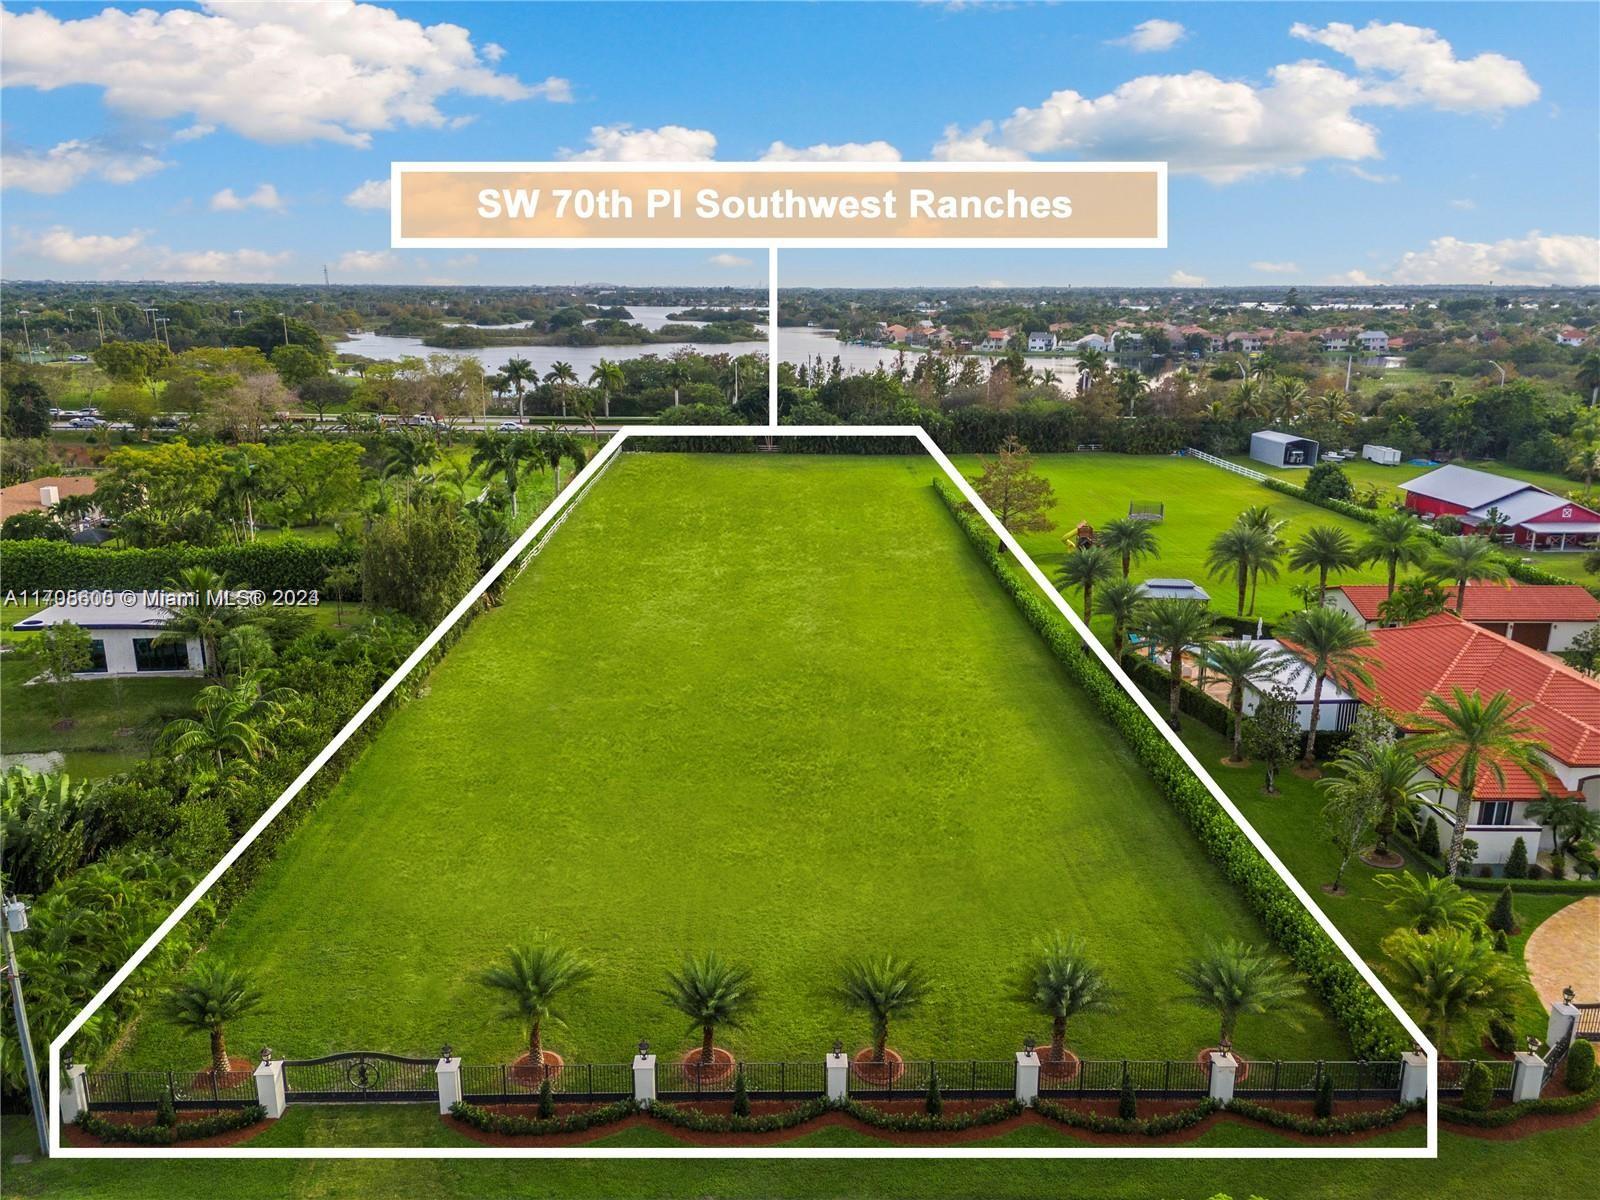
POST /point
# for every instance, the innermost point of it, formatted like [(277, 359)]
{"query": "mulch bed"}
[(1531, 1124), (1055, 1071), (524, 1072), (719, 1070), (1384, 862), (240, 1071), (73, 1136), (865, 1067), (1237, 766)]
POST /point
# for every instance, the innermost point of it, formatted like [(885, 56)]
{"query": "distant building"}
[(1544, 617), (1041, 341), (1282, 449), (1248, 343), (1172, 589), (1373, 341), (1526, 515), (1572, 337), (122, 635), (995, 339), (42, 494)]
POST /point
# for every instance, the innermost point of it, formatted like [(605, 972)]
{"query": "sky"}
[(1351, 143)]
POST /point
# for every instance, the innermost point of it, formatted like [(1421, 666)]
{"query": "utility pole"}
[(100, 324), (27, 341), (166, 333), (325, 282), (285, 317), (16, 921)]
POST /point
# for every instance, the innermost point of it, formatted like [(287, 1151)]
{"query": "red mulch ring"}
[(1303, 773), (1391, 861), (718, 1070), (525, 1072), (1335, 891), (240, 1071), (869, 1069), (1057, 1070), (1204, 1059), (71, 1135)]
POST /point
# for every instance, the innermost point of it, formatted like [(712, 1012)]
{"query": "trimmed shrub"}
[(493, 1122), (1510, 1114), (741, 1095), (1322, 1107), (167, 1135), (166, 1113), (1477, 1088), (1517, 861), (1503, 1032), (1429, 842), (1127, 1100), (1501, 942), (547, 1100), (290, 564), (1328, 481), (1185, 1118), (1503, 916), (933, 1103), (1580, 1066), (1320, 1126)]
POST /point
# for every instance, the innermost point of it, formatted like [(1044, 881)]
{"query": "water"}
[(798, 345), (582, 358)]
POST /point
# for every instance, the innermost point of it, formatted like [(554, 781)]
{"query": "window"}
[(97, 657), (147, 656), (1494, 812)]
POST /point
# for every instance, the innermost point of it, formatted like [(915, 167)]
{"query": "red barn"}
[(1526, 515)]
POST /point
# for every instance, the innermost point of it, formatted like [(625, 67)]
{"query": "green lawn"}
[(772, 705), (1201, 501)]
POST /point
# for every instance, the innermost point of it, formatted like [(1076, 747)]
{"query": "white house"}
[(995, 339), (1545, 617), (1041, 341), (1571, 337), (1249, 343), (122, 634), (1336, 712), (1373, 341), (1091, 341), (1335, 339)]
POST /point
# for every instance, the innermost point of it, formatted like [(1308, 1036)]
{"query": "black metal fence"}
[(1163, 1078), (959, 1079), (762, 1080), (364, 1076), (1453, 1075), (520, 1083), (127, 1090), (1297, 1080)]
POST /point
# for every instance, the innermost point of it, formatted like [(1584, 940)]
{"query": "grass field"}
[(769, 705)]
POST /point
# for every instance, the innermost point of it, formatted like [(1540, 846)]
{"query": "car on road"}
[(508, 427)]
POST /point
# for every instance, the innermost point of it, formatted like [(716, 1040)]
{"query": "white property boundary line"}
[(573, 489)]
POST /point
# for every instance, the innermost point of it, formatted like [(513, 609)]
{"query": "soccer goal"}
[(1146, 510)]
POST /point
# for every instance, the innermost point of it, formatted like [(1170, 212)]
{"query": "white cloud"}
[(1151, 36), (67, 164), (879, 151), (624, 143), (107, 256), (1533, 260), (60, 244), (973, 145), (1364, 174), (1411, 65), (1184, 279), (236, 265), (194, 133), (1464, 205), (374, 193), (335, 70), (728, 260), (366, 261), (265, 196), (1275, 268)]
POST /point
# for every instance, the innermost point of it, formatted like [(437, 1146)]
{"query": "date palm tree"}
[(1464, 560), (1238, 663), (230, 722), (1386, 771), (1085, 569), (711, 992), (609, 378), (1093, 366), (1331, 642), (1130, 540), (1395, 540), (1235, 980), (1259, 516), (1177, 627), (1571, 821), (884, 988), (213, 994), (530, 984), (1429, 903), (1241, 553), (1324, 549), (518, 373), (1120, 600), (1446, 977), (1462, 738), (1063, 982)]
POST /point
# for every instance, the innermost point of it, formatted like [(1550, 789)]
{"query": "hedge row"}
[(1322, 1126), (1185, 1118), (696, 1121), (1520, 571), (37, 565), (514, 1126), (1495, 1118), (168, 1135), (926, 1123), (1372, 1030)]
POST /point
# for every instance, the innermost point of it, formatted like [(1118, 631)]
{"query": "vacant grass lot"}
[(1201, 501), (769, 705)]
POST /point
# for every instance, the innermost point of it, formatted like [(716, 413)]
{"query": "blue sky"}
[(1310, 143)]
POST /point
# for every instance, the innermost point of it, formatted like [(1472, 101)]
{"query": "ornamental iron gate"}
[(360, 1076)]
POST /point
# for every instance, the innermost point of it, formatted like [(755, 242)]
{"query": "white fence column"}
[(644, 1079), (269, 1087), (837, 1069), (448, 1072), (1527, 1077), (1413, 1077), (74, 1093), (1223, 1068), (1563, 1022), (1027, 1077)]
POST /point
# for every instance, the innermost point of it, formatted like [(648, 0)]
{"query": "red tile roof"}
[(24, 497), (1444, 652), (1495, 602)]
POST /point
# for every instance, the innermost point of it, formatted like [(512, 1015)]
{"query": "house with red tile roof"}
[(38, 495), (1434, 656), (1545, 617)]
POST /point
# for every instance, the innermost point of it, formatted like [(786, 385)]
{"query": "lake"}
[(798, 345)]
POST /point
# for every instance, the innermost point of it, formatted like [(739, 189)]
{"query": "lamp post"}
[(27, 340), (1502, 371), (285, 318), (16, 921)]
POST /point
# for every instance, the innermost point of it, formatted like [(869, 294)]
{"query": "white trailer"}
[(1388, 456)]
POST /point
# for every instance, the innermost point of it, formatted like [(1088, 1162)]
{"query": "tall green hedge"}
[(1373, 1031), (39, 565)]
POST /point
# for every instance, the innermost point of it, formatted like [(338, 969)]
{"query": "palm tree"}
[(213, 994), (405, 455), (1394, 539), (1131, 385), (1449, 976), (519, 372), (1571, 821), (1241, 553), (1238, 663), (608, 377), (710, 992), (1063, 982), (1588, 377), (1235, 979), (531, 982), (883, 988), (229, 723), (1130, 540), (1324, 549), (1331, 643), (1120, 600), (1462, 737), (494, 454), (1467, 559), (1387, 771), (678, 374), (1428, 903), (1288, 400), (1259, 516), (1176, 626), (1084, 569), (560, 377), (1093, 366), (201, 611)]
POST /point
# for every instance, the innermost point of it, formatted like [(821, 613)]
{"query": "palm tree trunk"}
[(1458, 835), (1238, 725), (880, 1038), (1322, 586), (219, 1051), (1244, 579), (1177, 686), (1088, 601), (1394, 568), (536, 1046), (674, 395), (1461, 595), (1116, 641), (1058, 1038), (1308, 760), (707, 1045)]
